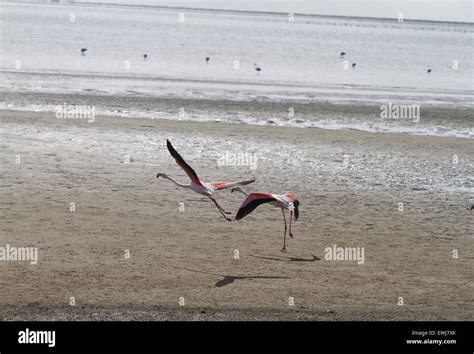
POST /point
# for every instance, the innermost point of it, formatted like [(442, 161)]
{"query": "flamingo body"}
[(286, 201), (206, 189)]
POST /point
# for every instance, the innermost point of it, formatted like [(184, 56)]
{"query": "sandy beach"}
[(364, 112), (349, 183)]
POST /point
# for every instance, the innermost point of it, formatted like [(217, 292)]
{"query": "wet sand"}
[(108, 168)]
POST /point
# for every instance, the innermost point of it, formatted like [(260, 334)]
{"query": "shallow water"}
[(300, 61)]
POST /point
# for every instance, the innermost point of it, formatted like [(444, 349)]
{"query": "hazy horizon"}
[(431, 10)]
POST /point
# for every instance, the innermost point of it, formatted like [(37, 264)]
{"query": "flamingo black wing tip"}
[(240, 215), (171, 149), (249, 181)]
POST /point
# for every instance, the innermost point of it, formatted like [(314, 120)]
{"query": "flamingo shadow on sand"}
[(229, 279), (290, 259)]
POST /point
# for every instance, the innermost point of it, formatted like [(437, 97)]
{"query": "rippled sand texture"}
[(350, 184)]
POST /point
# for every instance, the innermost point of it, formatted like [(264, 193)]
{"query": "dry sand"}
[(190, 254)]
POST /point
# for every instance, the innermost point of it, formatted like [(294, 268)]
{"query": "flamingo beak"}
[(297, 211)]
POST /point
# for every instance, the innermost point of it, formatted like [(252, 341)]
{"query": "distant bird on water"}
[(205, 189), (207, 60), (342, 54), (354, 65), (257, 68), (286, 201), (83, 51), (145, 56), (428, 71)]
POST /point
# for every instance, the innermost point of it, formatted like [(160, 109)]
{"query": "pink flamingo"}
[(206, 189), (286, 201)]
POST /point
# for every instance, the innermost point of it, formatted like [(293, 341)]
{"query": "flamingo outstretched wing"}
[(223, 185), (180, 161), (252, 201)]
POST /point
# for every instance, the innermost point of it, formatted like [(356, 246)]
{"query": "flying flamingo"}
[(206, 189), (284, 201)]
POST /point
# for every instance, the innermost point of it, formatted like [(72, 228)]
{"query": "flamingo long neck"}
[(177, 183), (241, 190)]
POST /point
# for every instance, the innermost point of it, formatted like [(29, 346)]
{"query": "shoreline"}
[(432, 121)]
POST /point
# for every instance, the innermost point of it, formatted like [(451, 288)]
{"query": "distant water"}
[(454, 10), (300, 60)]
